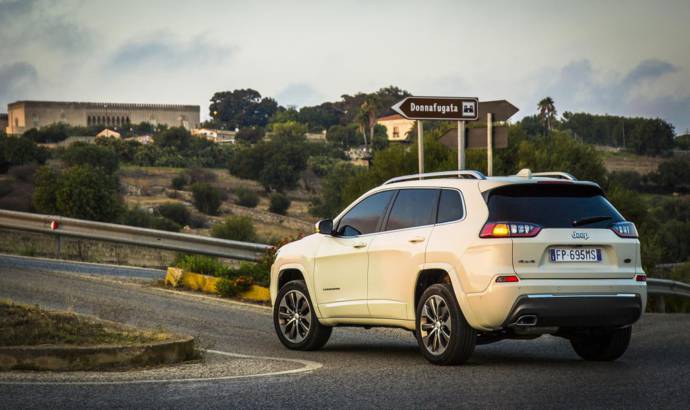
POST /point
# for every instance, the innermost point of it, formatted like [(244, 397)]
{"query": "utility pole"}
[(489, 145)]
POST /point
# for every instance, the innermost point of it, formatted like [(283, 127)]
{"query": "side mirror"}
[(325, 227)]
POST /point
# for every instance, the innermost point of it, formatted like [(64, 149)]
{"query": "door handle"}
[(417, 239), (359, 245)]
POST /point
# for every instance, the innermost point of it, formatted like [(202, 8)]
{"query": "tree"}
[(80, 191), (246, 197), (207, 198), (177, 138), (93, 155), (242, 108), (367, 116), (19, 151), (547, 112), (250, 135), (344, 136)]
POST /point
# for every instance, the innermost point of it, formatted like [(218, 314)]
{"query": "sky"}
[(616, 57)]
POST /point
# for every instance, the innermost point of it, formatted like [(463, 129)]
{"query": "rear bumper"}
[(559, 302), (576, 311)]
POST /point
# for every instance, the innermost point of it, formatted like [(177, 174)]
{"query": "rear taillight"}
[(641, 278), (507, 279), (509, 230), (625, 229)]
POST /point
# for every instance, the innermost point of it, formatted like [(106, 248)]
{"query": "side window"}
[(413, 207), (365, 217), (450, 206)]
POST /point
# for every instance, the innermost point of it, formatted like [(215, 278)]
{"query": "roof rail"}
[(459, 174), (556, 174)]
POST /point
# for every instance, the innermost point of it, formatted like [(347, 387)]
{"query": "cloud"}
[(299, 94), (163, 50), (15, 78), (578, 86), (42, 24)]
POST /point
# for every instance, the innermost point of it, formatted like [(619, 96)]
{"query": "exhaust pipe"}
[(526, 321)]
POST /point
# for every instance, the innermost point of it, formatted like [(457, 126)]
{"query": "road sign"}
[(438, 108), (500, 110)]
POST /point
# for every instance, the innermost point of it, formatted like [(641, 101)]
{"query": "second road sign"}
[(438, 108)]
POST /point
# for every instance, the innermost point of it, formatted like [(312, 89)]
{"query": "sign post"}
[(461, 145), (460, 109), (489, 145), (420, 146)]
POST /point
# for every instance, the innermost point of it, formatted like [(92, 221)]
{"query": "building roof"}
[(100, 105), (391, 118)]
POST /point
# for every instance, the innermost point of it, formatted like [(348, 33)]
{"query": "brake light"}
[(507, 279), (625, 229), (509, 230), (641, 278)]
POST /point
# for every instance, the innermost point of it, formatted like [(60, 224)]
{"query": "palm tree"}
[(367, 115), (547, 112)]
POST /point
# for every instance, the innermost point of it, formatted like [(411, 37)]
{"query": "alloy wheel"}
[(294, 316), (435, 325)]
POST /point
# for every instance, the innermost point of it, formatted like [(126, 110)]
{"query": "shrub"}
[(18, 151), (201, 264), (231, 287), (279, 203), (238, 228), (141, 218), (207, 198), (178, 182), (247, 197), (197, 221), (176, 212)]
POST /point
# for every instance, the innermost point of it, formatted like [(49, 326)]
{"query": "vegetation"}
[(207, 198), (279, 203), (176, 212), (247, 197), (237, 228), (143, 219), (19, 151), (89, 154), (22, 325)]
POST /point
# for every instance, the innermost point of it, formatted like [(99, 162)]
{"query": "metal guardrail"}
[(61, 226), (666, 287), (77, 228)]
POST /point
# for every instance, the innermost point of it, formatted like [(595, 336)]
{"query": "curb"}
[(83, 358), (177, 277)]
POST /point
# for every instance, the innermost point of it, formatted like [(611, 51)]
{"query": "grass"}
[(23, 325)]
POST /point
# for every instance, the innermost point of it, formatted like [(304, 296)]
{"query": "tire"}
[(451, 322), (304, 331), (598, 346)]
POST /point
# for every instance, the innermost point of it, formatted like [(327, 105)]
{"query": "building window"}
[(396, 132)]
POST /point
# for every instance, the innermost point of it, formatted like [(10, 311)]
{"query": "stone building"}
[(24, 115)]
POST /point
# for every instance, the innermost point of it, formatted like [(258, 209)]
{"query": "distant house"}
[(217, 136), (108, 133), (143, 139), (397, 127)]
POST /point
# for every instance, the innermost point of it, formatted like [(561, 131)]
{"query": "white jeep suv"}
[(461, 259)]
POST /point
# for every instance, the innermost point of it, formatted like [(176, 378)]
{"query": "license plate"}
[(575, 255)]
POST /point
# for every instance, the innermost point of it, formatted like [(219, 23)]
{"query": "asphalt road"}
[(361, 368)]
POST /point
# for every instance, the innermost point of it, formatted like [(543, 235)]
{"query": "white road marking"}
[(308, 366)]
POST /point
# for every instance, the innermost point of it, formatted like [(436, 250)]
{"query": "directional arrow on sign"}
[(438, 108), (501, 110)]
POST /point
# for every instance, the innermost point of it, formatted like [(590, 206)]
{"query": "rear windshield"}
[(551, 205)]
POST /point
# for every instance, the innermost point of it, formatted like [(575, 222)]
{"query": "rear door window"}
[(413, 207), (365, 217), (551, 205), (450, 206)]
